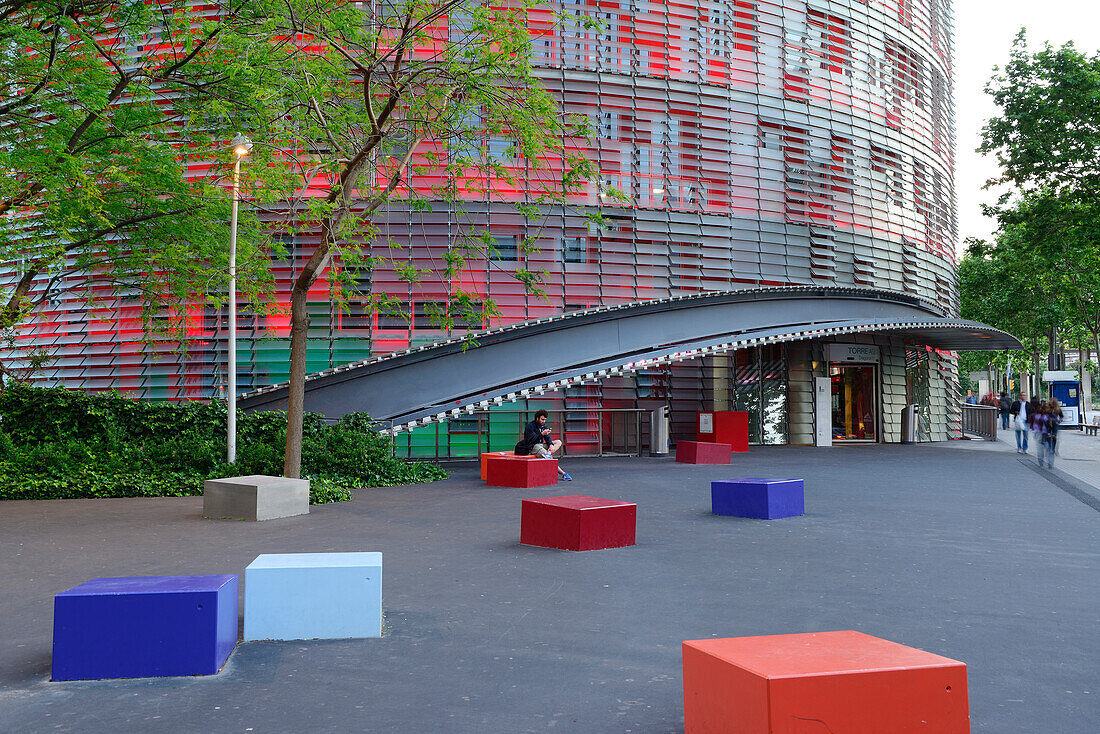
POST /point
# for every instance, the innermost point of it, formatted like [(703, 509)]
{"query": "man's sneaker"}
[(566, 477)]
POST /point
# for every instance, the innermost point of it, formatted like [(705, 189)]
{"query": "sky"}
[(984, 30)]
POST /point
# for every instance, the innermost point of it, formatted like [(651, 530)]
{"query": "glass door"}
[(855, 408), (759, 386)]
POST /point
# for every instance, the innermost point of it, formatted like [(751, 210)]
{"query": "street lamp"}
[(242, 146)]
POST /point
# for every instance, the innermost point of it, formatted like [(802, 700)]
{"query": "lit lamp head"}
[(242, 146)]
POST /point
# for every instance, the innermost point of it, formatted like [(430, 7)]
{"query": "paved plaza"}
[(1077, 462), (961, 550)]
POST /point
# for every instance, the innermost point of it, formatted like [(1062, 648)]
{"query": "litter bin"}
[(909, 424), (659, 432)]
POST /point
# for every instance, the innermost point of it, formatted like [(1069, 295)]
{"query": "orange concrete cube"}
[(824, 682), (485, 459)]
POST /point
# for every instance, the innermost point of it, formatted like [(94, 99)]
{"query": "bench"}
[(827, 682), (763, 499), (486, 455), (703, 452), (313, 596), (1092, 428), (144, 627), (577, 523), (255, 497), (521, 471)]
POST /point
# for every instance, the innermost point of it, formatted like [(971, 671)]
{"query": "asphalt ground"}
[(968, 554), (1078, 455)]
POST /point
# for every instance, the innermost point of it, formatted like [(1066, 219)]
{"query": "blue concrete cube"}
[(310, 596), (764, 499), (144, 627)]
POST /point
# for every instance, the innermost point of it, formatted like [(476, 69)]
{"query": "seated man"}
[(536, 441)]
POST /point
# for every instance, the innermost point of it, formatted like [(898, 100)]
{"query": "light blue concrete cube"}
[(313, 596)]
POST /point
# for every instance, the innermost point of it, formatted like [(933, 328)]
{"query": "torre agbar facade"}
[(760, 143)]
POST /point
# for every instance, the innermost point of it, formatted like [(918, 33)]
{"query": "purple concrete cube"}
[(144, 627), (764, 499)]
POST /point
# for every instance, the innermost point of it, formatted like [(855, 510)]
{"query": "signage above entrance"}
[(852, 353)]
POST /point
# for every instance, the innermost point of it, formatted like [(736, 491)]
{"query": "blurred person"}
[(1054, 422), (1019, 411), (1004, 406), (1040, 425), (1033, 412)]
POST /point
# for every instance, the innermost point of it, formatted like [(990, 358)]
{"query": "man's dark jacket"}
[(532, 434)]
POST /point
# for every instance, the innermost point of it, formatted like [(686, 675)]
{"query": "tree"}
[(413, 104), (1047, 136), (1059, 238), (1047, 142), (410, 104), (98, 191), (1042, 274), (998, 286)]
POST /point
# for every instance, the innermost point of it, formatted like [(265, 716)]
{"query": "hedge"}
[(57, 443)]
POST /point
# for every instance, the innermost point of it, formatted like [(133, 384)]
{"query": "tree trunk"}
[(296, 394), (1096, 340), (1086, 381), (1035, 377), (299, 333), (11, 312), (299, 314)]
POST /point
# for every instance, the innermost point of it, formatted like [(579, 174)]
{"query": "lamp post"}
[(242, 146)]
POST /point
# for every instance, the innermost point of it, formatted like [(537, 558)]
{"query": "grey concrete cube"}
[(255, 497)]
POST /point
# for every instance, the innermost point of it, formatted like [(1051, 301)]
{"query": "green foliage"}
[(95, 164), (1047, 137), (64, 444), (423, 107), (324, 491), (110, 108), (1042, 272), (433, 102)]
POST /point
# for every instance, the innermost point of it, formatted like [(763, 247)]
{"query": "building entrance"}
[(855, 405)]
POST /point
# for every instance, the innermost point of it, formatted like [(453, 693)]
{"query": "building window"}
[(505, 248), (394, 320), (888, 164), (608, 127), (575, 249), (830, 41), (427, 315)]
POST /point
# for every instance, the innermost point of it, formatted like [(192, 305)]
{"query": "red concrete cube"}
[(730, 426), (521, 471), (830, 681), (576, 522), (703, 452), (485, 459)]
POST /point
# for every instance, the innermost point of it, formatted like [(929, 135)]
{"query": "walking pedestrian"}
[(1004, 405), (1040, 425), (1019, 412), (1054, 421), (1033, 412)]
